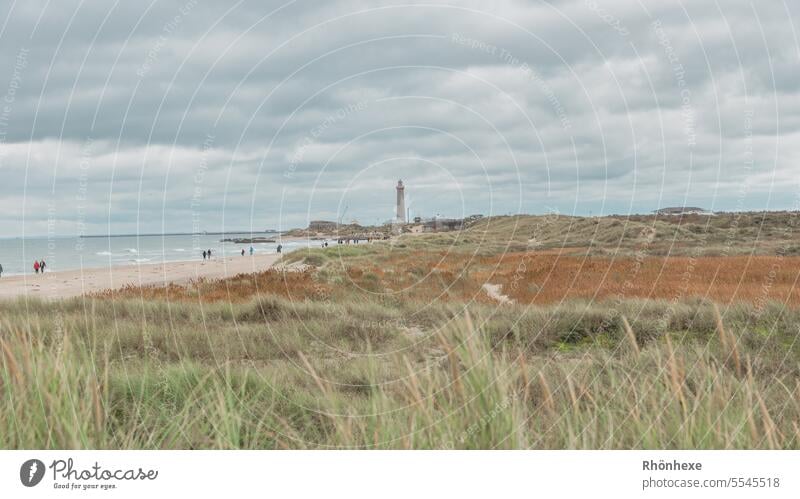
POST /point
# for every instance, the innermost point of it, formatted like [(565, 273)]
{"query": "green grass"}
[(763, 233), (272, 373)]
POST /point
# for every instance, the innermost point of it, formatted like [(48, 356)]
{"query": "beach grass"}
[(275, 373), (723, 234)]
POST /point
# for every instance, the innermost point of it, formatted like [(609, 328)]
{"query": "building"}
[(401, 202), (682, 210), (472, 219), (438, 224)]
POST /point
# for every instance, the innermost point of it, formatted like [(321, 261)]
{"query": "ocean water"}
[(68, 253)]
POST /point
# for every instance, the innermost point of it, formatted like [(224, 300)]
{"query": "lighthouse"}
[(401, 202)]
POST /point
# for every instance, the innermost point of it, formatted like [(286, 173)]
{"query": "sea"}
[(17, 255)]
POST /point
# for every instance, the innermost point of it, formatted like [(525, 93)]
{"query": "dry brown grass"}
[(240, 288), (547, 277), (533, 278), (526, 277)]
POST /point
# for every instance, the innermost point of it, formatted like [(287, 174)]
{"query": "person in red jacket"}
[(36, 266)]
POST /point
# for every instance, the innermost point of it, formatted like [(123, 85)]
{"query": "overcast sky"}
[(196, 115)]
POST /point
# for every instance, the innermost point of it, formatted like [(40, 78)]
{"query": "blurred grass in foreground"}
[(276, 373)]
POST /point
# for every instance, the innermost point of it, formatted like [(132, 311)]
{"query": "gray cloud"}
[(140, 116)]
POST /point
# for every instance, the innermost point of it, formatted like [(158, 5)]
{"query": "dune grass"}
[(272, 372), (547, 277), (724, 234)]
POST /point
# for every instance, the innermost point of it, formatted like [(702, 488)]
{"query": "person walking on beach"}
[(280, 247), (251, 251), (1, 270), (242, 251), (209, 254), (204, 254), (42, 265), (36, 266)]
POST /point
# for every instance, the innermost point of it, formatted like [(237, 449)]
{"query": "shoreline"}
[(192, 256), (77, 282)]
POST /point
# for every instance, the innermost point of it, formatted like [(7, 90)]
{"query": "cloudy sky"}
[(153, 116)]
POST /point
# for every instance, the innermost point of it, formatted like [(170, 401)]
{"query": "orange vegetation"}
[(543, 278), (531, 278), (242, 287), (528, 277)]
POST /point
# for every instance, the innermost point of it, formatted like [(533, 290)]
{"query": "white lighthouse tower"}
[(401, 202)]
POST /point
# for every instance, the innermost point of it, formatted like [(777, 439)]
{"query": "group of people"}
[(38, 266), (354, 240), (207, 253), (252, 250)]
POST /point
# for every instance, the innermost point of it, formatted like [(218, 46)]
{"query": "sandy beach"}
[(67, 283)]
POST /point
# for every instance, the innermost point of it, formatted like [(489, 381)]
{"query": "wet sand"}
[(67, 283)]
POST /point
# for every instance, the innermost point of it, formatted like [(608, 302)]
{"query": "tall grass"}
[(551, 277), (275, 373)]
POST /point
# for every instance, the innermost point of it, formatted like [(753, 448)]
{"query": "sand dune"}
[(63, 284)]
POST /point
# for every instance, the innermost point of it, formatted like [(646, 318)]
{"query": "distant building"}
[(472, 219), (438, 224), (682, 210)]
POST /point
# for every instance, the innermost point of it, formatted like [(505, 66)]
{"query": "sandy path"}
[(68, 283), (495, 292)]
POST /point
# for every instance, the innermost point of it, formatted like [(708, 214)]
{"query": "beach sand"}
[(67, 283)]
